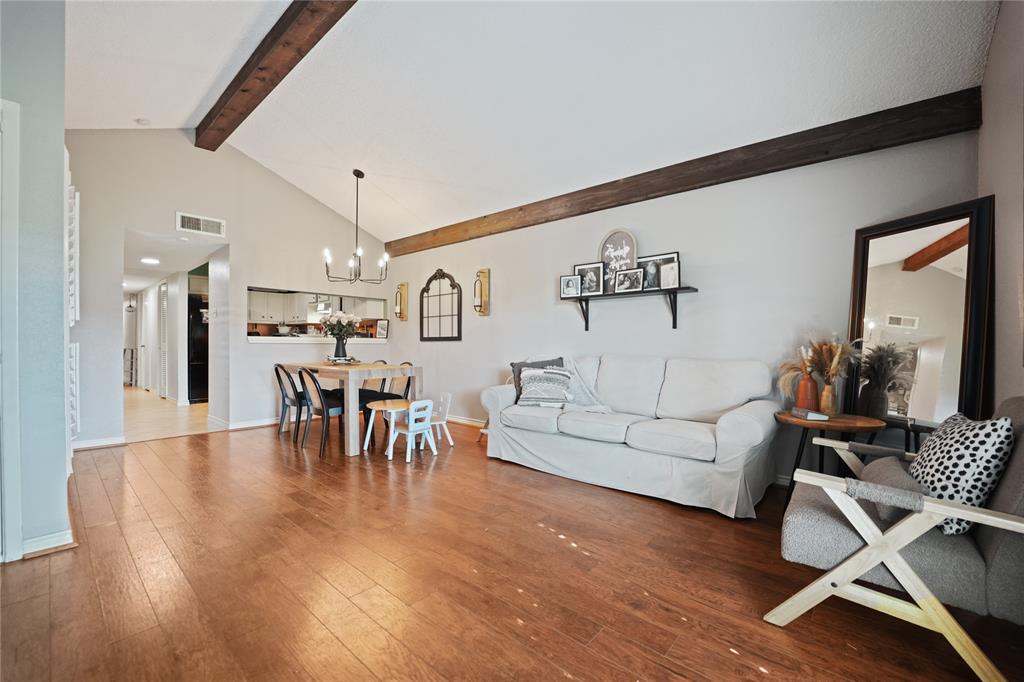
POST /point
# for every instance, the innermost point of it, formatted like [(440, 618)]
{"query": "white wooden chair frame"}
[(884, 547)]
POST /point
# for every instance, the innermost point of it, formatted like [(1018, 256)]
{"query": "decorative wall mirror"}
[(441, 308), (924, 285)]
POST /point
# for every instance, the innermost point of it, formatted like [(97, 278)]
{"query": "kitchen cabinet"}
[(296, 309), (258, 306), (276, 308)]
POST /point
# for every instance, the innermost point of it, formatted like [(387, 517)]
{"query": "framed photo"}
[(668, 275), (618, 252), (382, 329), (652, 268), (591, 278), (569, 286), (629, 280)]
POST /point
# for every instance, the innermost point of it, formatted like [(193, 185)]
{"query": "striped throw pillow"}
[(547, 387)]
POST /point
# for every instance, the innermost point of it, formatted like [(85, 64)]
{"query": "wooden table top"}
[(371, 370), (851, 423), (389, 405)]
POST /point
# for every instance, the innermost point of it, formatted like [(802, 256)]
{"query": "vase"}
[(873, 401), (339, 347), (828, 400), (807, 393)]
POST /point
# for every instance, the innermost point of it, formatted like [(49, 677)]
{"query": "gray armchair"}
[(835, 524)]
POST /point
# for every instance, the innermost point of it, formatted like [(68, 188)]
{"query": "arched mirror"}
[(922, 293), (441, 308)]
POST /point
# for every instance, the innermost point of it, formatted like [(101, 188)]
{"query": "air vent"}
[(198, 224), (901, 321)]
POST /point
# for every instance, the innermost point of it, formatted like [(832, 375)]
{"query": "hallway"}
[(147, 416)]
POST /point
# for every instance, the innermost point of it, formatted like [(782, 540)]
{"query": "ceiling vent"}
[(197, 224), (902, 321)]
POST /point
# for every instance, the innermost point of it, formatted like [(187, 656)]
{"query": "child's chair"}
[(416, 422), (440, 419)]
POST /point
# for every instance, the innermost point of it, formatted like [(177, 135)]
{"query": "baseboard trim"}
[(217, 421), (47, 543), (252, 424), (782, 479), (96, 443), (468, 421)]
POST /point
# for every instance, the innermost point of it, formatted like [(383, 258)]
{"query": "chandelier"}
[(355, 263)]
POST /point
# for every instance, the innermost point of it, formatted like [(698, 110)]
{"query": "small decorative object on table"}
[(830, 359), (618, 252), (382, 329), (628, 280), (569, 286), (342, 326), (881, 371), (806, 396)]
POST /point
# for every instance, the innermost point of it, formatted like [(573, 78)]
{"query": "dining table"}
[(350, 377)]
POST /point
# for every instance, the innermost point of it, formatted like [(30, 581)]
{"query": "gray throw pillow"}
[(517, 371), (548, 387), (962, 462), (891, 472)]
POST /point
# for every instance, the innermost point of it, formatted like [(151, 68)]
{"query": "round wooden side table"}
[(840, 423)]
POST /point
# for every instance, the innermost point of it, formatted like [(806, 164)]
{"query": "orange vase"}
[(807, 393), (828, 400)]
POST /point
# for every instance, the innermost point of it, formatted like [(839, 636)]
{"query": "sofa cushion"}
[(816, 533), (630, 383), (891, 472), (518, 367), (674, 437), (704, 390), (542, 419), (603, 426)]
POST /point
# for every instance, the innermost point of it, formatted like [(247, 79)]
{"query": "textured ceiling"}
[(458, 109)]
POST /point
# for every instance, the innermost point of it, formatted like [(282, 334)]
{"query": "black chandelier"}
[(355, 263)]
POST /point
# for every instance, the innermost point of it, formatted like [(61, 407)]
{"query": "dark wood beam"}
[(938, 249), (944, 115), (301, 27)]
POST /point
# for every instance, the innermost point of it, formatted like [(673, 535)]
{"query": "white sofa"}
[(689, 431)]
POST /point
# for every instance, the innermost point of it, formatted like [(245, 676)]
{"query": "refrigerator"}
[(198, 349)]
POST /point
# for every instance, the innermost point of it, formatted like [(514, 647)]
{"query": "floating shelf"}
[(671, 297)]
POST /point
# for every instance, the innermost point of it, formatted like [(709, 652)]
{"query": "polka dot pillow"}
[(962, 462)]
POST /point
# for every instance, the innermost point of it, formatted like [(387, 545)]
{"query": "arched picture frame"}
[(441, 308)]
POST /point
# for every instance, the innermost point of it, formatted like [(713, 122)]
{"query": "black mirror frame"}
[(441, 274), (976, 365)]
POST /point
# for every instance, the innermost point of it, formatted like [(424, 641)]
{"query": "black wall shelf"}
[(671, 297)]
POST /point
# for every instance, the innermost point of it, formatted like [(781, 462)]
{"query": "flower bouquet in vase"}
[(799, 374), (342, 326), (830, 360)]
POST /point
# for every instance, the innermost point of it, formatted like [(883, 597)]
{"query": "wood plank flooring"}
[(238, 556), (147, 416)]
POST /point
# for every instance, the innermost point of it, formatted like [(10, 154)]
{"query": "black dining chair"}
[(372, 389), (290, 397), (319, 402)]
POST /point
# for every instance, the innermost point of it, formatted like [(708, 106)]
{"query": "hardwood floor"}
[(236, 555), (147, 416)]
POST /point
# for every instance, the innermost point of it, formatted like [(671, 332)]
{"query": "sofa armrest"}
[(744, 428), (497, 398)]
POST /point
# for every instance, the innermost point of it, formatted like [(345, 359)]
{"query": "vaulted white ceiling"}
[(458, 109)]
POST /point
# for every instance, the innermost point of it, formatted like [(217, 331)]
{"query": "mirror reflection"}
[(914, 304), (276, 312)]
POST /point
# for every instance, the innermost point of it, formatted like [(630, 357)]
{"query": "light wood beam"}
[(298, 30), (944, 115), (938, 249)]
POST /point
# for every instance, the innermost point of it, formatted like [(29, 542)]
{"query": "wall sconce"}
[(402, 301), (482, 292)]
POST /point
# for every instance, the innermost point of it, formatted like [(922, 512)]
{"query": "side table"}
[(841, 423)]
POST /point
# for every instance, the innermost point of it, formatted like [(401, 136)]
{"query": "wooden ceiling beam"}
[(938, 249), (944, 115), (298, 30)]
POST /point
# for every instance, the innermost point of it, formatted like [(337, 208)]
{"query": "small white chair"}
[(440, 419), (416, 422)]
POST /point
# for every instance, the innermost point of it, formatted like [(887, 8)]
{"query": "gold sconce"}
[(402, 301), (482, 292)]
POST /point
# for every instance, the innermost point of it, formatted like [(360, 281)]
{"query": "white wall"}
[(32, 75), (1001, 172), (276, 235), (937, 298)]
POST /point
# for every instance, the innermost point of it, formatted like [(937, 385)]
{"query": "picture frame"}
[(569, 286), (668, 275), (652, 268), (629, 280), (617, 252), (382, 329), (591, 278)]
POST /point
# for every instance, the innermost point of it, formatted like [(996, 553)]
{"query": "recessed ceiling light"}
[(124, 284), (141, 121), (149, 261)]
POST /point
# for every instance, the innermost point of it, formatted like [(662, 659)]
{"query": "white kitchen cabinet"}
[(276, 308), (258, 306), (296, 308), (373, 309)]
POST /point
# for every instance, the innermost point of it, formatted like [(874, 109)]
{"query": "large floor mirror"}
[(922, 293)]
